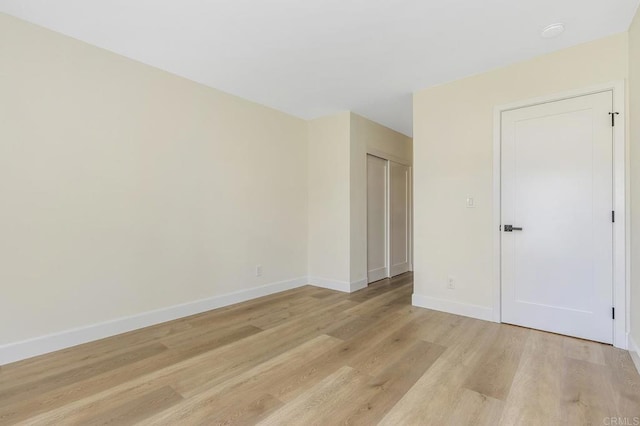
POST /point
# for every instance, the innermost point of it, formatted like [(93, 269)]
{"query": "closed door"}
[(377, 190), (400, 199), (556, 207)]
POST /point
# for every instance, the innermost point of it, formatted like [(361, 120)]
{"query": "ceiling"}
[(315, 57)]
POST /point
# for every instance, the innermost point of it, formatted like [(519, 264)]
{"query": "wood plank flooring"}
[(314, 356)]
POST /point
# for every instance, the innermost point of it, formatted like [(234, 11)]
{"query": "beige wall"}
[(328, 176), (373, 138), (338, 147), (125, 189), (634, 127), (453, 149)]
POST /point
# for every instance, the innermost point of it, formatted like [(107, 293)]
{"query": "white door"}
[(377, 190), (557, 185), (400, 198)]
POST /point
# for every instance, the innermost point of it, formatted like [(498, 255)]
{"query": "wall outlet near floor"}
[(470, 203), (451, 282), (258, 270)]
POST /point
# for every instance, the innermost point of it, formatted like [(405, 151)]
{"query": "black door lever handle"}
[(511, 228)]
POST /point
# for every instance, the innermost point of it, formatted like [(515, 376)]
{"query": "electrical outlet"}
[(258, 270), (471, 203), (451, 283)]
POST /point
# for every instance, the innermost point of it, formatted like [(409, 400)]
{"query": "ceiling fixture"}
[(552, 30)]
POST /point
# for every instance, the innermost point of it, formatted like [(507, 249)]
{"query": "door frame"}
[(621, 240), (392, 158), (387, 232), (409, 227)]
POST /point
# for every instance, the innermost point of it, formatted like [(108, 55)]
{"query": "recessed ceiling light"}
[(552, 30)]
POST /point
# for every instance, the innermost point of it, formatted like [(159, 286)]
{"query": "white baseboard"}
[(634, 350), (358, 285), (377, 274), (52, 342), (343, 286), (452, 307)]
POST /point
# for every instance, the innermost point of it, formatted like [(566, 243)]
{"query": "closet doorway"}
[(388, 218)]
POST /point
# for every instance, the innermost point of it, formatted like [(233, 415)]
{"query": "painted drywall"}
[(634, 142), (453, 149), (125, 189), (338, 147), (380, 140), (328, 177), (373, 138)]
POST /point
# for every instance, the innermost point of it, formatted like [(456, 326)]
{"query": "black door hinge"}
[(613, 313), (613, 216), (613, 118)]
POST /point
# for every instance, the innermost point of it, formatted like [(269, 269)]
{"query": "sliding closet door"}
[(400, 216), (377, 219)]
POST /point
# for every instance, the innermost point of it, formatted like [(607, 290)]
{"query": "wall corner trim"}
[(358, 285), (453, 307), (17, 351), (634, 351)]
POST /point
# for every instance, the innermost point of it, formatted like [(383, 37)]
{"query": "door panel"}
[(400, 217), (557, 185), (377, 255)]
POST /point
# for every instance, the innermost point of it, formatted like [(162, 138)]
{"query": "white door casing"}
[(400, 220), (621, 240), (377, 219), (557, 184)]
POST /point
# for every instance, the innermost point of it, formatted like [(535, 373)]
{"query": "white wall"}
[(634, 127), (373, 138), (338, 146), (125, 189), (328, 176), (381, 141), (453, 149)]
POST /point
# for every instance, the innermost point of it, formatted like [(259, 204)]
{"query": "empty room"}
[(240, 212)]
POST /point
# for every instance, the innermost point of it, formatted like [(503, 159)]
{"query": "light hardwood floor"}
[(315, 356)]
